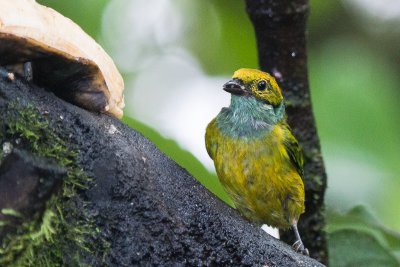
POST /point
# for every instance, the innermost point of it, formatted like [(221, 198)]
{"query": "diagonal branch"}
[(144, 208)]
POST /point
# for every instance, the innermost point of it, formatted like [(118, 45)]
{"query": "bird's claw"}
[(299, 247)]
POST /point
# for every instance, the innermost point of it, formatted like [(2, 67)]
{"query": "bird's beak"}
[(235, 87)]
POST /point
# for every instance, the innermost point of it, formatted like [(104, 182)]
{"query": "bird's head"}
[(256, 83)]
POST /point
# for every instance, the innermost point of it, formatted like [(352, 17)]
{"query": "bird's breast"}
[(257, 174)]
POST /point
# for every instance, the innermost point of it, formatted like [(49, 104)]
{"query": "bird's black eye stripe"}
[(261, 85)]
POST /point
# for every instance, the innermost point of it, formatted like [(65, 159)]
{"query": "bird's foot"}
[(298, 246)]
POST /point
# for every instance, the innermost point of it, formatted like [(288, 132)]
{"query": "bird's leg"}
[(298, 246)]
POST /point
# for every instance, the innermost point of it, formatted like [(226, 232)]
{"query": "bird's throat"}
[(248, 117)]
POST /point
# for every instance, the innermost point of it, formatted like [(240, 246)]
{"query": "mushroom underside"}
[(73, 79)]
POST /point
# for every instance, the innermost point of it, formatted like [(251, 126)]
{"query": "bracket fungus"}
[(63, 57)]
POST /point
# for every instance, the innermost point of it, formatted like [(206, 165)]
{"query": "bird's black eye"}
[(262, 85)]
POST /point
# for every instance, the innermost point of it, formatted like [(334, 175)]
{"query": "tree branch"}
[(280, 28), (144, 208)]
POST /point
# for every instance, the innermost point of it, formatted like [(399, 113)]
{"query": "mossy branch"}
[(138, 208)]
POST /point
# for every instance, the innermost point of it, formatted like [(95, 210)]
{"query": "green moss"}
[(10, 212), (64, 233)]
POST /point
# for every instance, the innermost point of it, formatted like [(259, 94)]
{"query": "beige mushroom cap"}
[(64, 58)]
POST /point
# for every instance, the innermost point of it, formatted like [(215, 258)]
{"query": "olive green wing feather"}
[(212, 134), (294, 151)]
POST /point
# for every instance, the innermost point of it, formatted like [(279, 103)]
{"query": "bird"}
[(258, 160)]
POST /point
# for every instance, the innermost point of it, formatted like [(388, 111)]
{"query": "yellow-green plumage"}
[(257, 158), (258, 174)]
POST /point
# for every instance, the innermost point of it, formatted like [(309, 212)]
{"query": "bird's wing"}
[(294, 151), (211, 136)]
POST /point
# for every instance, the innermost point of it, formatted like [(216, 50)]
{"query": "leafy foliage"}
[(358, 239), (355, 248)]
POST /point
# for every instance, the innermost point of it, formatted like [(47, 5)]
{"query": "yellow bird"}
[(258, 160)]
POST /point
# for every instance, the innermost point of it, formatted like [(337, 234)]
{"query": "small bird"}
[(258, 160)]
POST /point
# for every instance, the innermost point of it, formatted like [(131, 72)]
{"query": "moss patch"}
[(64, 234)]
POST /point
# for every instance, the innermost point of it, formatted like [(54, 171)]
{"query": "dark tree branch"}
[(280, 28), (144, 206)]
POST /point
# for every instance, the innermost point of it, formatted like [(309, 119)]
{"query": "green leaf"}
[(355, 248), (359, 218)]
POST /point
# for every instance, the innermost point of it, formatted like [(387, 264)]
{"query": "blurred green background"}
[(176, 54)]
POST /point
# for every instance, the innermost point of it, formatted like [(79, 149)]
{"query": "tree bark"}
[(144, 209), (280, 28)]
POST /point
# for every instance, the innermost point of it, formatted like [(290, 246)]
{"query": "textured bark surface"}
[(21, 186), (280, 28), (149, 210)]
